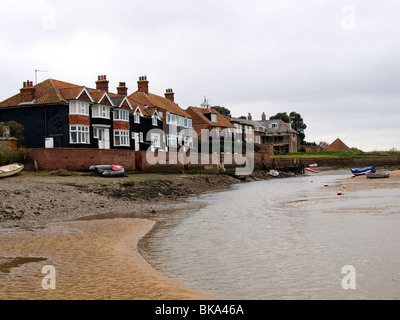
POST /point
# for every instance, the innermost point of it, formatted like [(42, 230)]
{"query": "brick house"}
[(57, 114), (177, 123)]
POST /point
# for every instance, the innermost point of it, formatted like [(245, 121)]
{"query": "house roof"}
[(282, 127), (221, 120), (338, 145), (53, 91), (152, 101)]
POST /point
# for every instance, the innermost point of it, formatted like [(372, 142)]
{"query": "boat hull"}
[(10, 170), (378, 175), (108, 171), (362, 171)]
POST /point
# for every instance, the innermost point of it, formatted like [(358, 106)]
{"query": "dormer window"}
[(121, 115), (136, 117), (101, 112), (214, 117), (154, 120), (79, 107)]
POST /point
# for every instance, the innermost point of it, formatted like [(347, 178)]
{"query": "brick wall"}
[(8, 143), (81, 159)]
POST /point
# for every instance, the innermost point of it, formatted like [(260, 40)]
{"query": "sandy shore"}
[(94, 258)]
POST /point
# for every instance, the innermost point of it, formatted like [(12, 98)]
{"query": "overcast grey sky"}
[(334, 62)]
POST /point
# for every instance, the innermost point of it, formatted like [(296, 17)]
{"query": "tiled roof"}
[(53, 91), (222, 121), (152, 100), (282, 127)]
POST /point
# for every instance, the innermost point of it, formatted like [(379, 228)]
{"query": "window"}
[(258, 139), (155, 140), (121, 138), (141, 137), (101, 112), (79, 107), (189, 123), (121, 115), (214, 117), (79, 134), (154, 119), (171, 119), (273, 125), (294, 137), (171, 140), (136, 117)]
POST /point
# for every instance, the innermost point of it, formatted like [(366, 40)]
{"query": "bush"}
[(20, 155)]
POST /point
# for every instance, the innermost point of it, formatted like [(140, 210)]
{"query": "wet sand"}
[(95, 260)]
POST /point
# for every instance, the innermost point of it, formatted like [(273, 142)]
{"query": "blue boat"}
[(361, 171)]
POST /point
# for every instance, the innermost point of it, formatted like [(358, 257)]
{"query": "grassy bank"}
[(340, 154)]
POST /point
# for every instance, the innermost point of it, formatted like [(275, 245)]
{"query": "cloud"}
[(332, 62)]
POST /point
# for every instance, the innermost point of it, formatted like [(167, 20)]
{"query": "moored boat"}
[(11, 169), (361, 171), (106, 170), (377, 175)]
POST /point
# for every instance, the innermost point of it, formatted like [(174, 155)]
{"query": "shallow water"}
[(283, 239)]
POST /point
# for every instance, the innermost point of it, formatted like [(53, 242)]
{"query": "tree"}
[(222, 110), (298, 124), (281, 116), (15, 130), (323, 144)]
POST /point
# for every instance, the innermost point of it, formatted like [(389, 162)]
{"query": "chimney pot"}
[(170, 95), (102, 83), (143, 84), (122, 89), (28, 92)]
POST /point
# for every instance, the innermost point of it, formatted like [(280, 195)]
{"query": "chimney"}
[(28, 92), (143, 85), (169, 94), (122, 89), (102, 83), (263, 117), (249, 117)]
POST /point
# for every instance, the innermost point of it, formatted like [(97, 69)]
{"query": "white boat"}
[(10, 170), (274, 173)]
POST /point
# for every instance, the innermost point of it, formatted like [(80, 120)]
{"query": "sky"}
[(334, 62)]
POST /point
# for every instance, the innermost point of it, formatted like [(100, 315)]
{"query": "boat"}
[(361, 171), (274, 173), (312, 170), (11, 169), (377, 175), (109, 170)]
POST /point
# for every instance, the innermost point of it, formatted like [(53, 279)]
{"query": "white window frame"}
[(121, 115), (154, 120), (79, 107), (156, 140), (172, 138), (101, 111), (123, 137), (82, 134), (136, 117), (189, 123), (214, 117)]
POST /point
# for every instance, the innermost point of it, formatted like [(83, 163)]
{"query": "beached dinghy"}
[(361, 171), (377, 175), (10, 170), (106, 170)]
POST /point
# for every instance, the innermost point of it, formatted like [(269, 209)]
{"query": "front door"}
[(103, 135)]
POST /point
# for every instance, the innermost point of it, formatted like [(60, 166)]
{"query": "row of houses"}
[(57, 114)]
